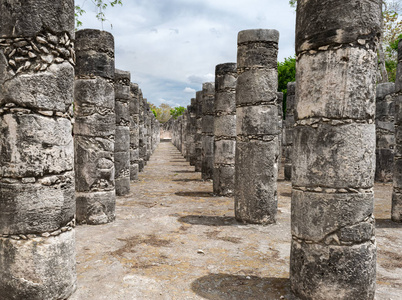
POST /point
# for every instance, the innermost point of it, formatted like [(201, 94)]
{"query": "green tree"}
[(286, 73), (162, 113), (177, 111), (100, 5)]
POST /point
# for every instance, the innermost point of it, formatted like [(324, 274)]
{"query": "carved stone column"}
[(333, 251), (37, 203), (257, 127), (94, 128), (224, 129)]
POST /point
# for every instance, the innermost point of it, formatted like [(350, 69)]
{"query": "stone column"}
[(198, 131), (134, 131), (185, 133), (122, 137), (288, 129), (224, 129), (94, 127), (333, 250), (37, 204), (142, 132), (148, 141), (279, 103), (257, 127), (192, 134), (396, 212), (207, 153), (385, 131)]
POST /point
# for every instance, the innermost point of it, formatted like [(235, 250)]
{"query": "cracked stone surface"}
[(173, 240)]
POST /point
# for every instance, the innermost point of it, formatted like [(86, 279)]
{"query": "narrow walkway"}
[(173, 240)]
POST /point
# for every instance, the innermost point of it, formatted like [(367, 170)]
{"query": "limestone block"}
[(334, 156), (224, 102), (122, 142), (95, 158), (15, 23), (337, 84), (333, 272), (208, 124), (207, 154), (224, 152), (384, 165), (315, 216), (94, 64), (42, 205), (223, 180), (396, 211), (257, 48), (256, 86), (256, 176), (50, 90), (348, 22), (96, 207), (96, 93), (134, 169), (257, 120), (34, 145), (225, 126), (97, 124)]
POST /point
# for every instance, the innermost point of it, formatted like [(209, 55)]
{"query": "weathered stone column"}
[(185, 134), (333, 250), (279, 103), (94, 127), (37, 203), (257, 127), (396, 212), (198, 131), (385, 131), (207, 153), (192, 135), (288, 129), (224, 129), (143, 134), (134, 106), (148, 141), (122, 138)]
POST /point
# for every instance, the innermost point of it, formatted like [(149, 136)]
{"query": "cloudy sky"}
[(172, 46)]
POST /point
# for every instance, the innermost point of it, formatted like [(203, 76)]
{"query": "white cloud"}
[(189, 90), (173, 45)]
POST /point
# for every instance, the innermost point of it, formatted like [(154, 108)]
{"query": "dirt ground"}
[(172, 239)]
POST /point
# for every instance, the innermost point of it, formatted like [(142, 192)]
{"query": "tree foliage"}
[(162, 113), (286, 73), (177, 111), (100, 5)]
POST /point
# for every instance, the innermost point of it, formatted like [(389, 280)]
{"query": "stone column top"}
[(96, 40), (225, 68), (323, 22), (30, 17), (258, 35)]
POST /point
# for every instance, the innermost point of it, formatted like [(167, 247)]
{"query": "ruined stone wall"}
[(396, 211), (288, 129), (257, 127), (333, 250), (37, 203), (94, 128), (224, 129), (385, 131), (134, 107), (207, 139), (122, 137)]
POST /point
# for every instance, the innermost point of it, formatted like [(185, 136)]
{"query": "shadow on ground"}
[(387, 223), (226, 286), (188, 180), (195, 194), (183, 171), (209, 220)]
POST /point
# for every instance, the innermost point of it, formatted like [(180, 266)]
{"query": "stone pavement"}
[(172, 239)]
